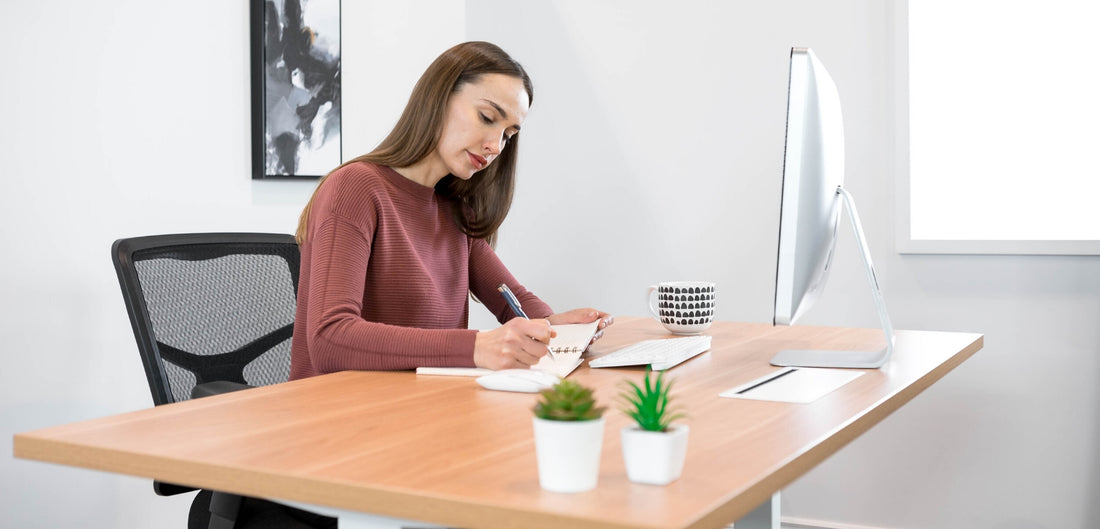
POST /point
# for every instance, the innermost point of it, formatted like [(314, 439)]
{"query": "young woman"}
[(394, 241)]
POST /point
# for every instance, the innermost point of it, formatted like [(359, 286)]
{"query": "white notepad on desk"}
[(567, 348), (799, 385)]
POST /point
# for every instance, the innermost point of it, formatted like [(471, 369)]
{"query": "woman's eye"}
[(486, 119)]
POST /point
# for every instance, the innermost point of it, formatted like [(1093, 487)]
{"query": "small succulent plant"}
[(567, 401), (650, 403)]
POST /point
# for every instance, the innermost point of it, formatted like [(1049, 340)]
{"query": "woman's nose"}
[(494, 145)]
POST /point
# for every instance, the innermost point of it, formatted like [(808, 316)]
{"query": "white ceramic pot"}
[(654, 458), (568, 454)]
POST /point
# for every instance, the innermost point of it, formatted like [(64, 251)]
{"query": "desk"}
[(443, 450)]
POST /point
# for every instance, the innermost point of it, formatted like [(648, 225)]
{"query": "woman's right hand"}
[(519, 343)]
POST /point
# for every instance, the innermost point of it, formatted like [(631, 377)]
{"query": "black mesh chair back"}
[(213, 313), (210, 307)]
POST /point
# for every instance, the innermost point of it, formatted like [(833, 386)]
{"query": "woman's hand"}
[(519, 343), (584, 316)]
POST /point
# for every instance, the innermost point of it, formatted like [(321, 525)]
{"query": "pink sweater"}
[(385, 276)]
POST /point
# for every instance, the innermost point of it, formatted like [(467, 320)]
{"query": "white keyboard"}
[(660, 354)]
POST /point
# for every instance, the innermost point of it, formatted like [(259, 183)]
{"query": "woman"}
[(393, 241)]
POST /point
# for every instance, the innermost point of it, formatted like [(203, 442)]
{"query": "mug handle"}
[(649, 302)]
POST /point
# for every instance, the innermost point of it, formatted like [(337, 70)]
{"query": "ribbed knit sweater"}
[(385, 274)]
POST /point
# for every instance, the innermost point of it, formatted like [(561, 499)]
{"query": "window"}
[(1004, 127)]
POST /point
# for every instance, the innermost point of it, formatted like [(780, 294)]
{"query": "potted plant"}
[(654, 448), (568, 437)]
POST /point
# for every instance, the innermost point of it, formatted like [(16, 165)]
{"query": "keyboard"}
[(660, 354)]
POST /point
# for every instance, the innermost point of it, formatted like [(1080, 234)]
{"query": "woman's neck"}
[(427, 172)]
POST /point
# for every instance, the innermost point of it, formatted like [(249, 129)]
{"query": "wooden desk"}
[(443, 450)]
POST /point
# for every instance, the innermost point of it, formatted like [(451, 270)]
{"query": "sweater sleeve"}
[(337, 335), (487, 271)]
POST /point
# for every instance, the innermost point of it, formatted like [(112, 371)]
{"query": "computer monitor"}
[(813, 195)]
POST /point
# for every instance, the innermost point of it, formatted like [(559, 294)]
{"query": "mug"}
[(683, 307)]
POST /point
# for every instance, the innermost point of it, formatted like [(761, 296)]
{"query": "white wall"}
[(653, 151), (126, 118)]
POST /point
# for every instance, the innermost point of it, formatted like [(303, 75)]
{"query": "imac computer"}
[(813, 194)]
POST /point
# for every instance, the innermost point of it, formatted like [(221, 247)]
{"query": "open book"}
[(566, 348)]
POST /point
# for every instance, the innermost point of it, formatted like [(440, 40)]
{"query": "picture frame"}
[(295, 88)]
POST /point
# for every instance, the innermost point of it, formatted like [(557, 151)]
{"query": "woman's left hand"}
[(584, 316)]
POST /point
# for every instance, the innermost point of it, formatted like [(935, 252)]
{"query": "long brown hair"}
[(483, 200)]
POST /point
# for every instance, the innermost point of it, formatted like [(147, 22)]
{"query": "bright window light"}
[(1004, 121)]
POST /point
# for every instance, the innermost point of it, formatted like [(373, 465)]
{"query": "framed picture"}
[(295, 88)]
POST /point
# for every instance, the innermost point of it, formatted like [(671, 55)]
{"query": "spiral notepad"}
[(568, 346)]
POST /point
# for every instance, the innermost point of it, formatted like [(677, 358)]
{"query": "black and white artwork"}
[(295, 87)]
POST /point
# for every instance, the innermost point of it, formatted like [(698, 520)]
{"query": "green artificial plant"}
[(567, 401), (650, 403)]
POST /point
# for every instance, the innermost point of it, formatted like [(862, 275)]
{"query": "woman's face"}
[(481, 117)]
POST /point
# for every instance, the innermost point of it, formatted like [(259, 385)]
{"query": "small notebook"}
[(567, 348)]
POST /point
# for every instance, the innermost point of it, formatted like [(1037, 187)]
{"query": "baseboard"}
[(790, 522)]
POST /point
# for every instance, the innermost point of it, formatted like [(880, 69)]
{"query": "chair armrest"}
[(216, 387)]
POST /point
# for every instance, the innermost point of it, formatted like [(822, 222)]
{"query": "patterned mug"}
[(683, 307)]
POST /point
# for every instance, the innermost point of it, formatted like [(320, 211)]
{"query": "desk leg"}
[(766, 516)]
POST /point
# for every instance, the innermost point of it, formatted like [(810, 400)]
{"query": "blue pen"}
[(514, 303), (512, 300)]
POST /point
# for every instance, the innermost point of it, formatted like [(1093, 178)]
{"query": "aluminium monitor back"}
[(813, 194)]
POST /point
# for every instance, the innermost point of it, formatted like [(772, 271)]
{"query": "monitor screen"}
[(813, 169)]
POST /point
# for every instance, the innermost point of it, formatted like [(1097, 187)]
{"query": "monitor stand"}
[(848, 359)]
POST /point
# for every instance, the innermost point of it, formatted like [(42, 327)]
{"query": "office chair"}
[(214, 313)]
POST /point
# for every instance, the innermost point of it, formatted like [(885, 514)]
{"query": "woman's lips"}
[(479, 162)]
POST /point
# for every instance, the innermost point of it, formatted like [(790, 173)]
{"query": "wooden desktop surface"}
[(444, 450)]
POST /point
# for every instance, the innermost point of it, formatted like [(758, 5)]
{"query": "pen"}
[(512, 300), (516, 308)]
